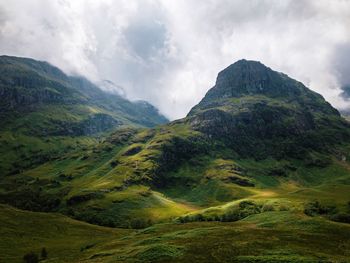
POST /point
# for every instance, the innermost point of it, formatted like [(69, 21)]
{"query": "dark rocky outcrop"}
[(260, 112), (251, 78), (93, 124)]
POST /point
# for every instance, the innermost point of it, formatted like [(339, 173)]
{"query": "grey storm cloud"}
[(341, 67), (169, 52)]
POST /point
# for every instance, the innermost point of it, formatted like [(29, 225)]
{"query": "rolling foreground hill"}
[(257, 172)]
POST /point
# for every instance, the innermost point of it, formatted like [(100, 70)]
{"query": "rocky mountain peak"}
[(246, 77), (254, 110)]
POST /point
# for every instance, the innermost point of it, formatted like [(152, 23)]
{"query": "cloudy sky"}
[(169, 52)]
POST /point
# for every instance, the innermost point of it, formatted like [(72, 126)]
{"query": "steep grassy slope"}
[(65, 239), (44, 113), (137, 178)]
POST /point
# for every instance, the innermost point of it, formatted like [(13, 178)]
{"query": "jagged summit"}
[(247, 78), (250, 76)]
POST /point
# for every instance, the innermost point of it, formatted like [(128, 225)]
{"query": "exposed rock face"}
[(93, 124), (258, 112), (252, 79), (27, 83), (17, 97), (97, 123)]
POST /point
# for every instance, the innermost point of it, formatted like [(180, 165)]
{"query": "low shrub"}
[(140, 223), (94, 217), (77, 199), (231, 216), (283, 208), (341, 217), (268, 208), (244, 209), (43, 253), (316, 208), (31, 257)]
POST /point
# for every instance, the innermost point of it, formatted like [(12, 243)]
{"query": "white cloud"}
[(169, 52)]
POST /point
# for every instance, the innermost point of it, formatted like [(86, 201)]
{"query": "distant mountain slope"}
[(44, 112), (27, 86)]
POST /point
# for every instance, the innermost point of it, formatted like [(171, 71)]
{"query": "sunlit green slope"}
[(44, 113)]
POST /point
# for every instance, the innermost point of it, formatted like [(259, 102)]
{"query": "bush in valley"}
[(31, 198), (199, 218), (63, 176), (231, 216), (240, 181), (341, 217), (95, 218), (331, 212), (140, 223), (31, 257), (110, 220), (114, 163), (268, 208), (43, 253), (132, 151), (247, 208), (283, 208), (87, 247), (184, 219), (317, 161), (244, 209), (316, 208), (278, 171), (77, 199)]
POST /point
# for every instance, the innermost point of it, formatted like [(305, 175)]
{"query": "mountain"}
[(28, 86), (43, 112), (260, 112), (260, 156)]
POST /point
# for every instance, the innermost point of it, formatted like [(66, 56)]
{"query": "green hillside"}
[(44, 113), (257, 172), (274, 236)]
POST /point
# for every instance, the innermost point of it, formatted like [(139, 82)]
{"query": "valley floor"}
[(276, 236)]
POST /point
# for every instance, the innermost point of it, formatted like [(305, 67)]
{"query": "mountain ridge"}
[(29, 83), (44, 112)]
